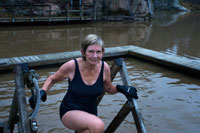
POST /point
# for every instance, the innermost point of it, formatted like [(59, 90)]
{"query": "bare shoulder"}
[(67, 68), (106, 71), (69, 64), (106, 67)]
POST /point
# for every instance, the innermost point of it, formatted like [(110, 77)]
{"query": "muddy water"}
[(168, 101)]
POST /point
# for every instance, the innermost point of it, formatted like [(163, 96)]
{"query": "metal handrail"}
[(32, 83)]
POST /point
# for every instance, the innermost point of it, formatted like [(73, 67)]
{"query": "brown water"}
[(168, 101)]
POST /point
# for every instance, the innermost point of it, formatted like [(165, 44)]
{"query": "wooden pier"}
[(182, 64), (74, 10)]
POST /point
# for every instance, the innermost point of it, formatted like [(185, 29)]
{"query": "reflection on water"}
[(22, 41), (178, 35), (168, 101), (180, 38)]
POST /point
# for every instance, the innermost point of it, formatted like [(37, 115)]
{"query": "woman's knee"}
[(97, 126)]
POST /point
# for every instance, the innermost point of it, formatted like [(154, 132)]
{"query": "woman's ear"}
[(103, 50), (82, 52)]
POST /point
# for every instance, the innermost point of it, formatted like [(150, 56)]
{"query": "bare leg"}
[(83, 122)]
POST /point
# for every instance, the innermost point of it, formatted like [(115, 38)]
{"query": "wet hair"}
[(89, 40)]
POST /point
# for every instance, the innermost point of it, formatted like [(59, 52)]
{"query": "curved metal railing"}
[(32, 83)]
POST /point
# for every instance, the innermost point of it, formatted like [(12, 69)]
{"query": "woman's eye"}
[(98, 52)]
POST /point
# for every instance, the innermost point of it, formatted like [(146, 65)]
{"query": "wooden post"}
[(127, 107), (118, 119), (94, 10), (49, 13), (67, 10), (81, 9), (13, 14), (133, 105), (21, 102), (13, 113)]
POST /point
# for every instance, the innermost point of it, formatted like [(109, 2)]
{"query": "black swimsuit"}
[(81, 96)]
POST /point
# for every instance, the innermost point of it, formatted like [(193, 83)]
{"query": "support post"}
[(81, 9), (94, 10), (13, 113), (118, 119), (133, 105), (21, 101), (128, 106), (67, 11)]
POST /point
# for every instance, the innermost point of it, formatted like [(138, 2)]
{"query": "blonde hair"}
[(91, 39)]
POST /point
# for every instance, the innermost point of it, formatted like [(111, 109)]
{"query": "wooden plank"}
[(35, 57), (23, 60), (4, 62), (118, 119), (13, 112), (21, 101), (1, 127), (17, 60), (28, 58), (182, 64), (124, 110), (133, 105), (4, 127)]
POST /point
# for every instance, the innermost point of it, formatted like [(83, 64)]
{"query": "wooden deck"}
[(179, 63)]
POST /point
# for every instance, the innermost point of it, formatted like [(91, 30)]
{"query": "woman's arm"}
[(108, 86), (65, 71), (129, 91)]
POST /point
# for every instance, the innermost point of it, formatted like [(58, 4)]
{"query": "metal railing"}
[(44, 12)]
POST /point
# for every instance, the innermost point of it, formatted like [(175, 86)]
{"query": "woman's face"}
[(94, 54)]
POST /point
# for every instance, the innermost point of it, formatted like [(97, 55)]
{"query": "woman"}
[(88, 77)]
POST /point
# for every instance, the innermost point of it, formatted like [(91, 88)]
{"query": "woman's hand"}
[(43, 97), (129, 91)]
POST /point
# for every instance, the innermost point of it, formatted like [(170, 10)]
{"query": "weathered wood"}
[(13, 112), (94, 11), (1, 127), (182, 64), (133, 105), (21, 100), (4, 127), (118, 119)]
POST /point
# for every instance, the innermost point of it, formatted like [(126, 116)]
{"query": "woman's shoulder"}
[(69, 65), (106, 66)]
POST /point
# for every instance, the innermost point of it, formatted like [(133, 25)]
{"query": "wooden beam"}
[(13, 113), (21, 100), (118, 119), (133, 105)]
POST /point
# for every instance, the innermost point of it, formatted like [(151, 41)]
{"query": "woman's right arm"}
[(65, 71)]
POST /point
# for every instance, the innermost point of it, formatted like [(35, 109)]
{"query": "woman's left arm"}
[(129, 91)]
